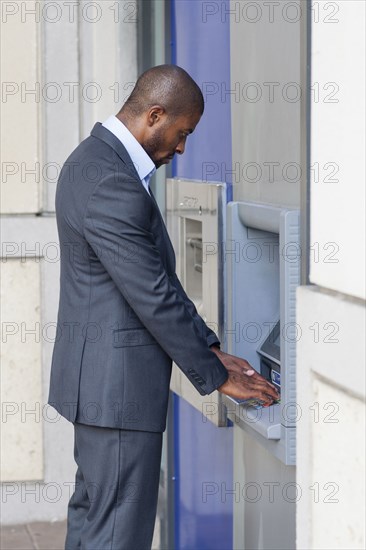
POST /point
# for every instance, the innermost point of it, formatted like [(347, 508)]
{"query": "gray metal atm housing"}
[(262, 258), (196, 222)]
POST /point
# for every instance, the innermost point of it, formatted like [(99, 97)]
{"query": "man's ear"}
[(155, 114)]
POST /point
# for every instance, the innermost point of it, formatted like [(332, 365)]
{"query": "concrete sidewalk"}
[(34, 536)]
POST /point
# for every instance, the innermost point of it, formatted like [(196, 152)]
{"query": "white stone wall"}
[(65, 66), (331, 314)]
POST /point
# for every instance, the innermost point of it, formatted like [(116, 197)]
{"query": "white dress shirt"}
[(143, 163)]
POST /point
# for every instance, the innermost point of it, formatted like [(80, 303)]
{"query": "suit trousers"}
[(114, 503)]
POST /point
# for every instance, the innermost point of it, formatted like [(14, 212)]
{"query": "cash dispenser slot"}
[(192, 275), (196, 244)]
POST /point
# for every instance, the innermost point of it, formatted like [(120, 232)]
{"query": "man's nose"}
[(180, 147)]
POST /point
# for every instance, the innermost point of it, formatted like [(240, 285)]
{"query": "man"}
[(123, 315)]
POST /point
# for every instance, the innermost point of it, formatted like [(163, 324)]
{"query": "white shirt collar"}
[(143, 163)]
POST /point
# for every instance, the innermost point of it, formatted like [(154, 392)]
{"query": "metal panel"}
[(195, 219), (265, 101), (266, 494), (263, 274)]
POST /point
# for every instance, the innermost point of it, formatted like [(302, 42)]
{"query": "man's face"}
[(167, 136)]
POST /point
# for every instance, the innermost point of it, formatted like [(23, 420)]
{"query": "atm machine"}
[(262, 257), (252, 250), (249, 137), (196, 220), (201, 443)]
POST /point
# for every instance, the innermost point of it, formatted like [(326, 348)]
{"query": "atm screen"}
[(277, 341), (271, 347)]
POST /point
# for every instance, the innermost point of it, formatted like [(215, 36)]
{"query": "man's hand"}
[(244, 382)]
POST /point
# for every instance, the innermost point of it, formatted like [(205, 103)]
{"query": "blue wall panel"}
[(201, 46), (203, 453), (203, 481)]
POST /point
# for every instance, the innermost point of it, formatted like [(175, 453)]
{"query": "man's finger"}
[(268, 388), (260, 377)]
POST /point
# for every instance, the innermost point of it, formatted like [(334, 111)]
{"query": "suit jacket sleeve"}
[(211, 337), (117, 227)]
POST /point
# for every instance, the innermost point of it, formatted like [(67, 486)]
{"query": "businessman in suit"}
[(124, 316)]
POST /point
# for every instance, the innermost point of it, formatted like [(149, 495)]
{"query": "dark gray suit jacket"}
[(123, 314)]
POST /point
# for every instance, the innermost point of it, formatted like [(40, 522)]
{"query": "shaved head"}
[(163, 109), (168, 86)]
